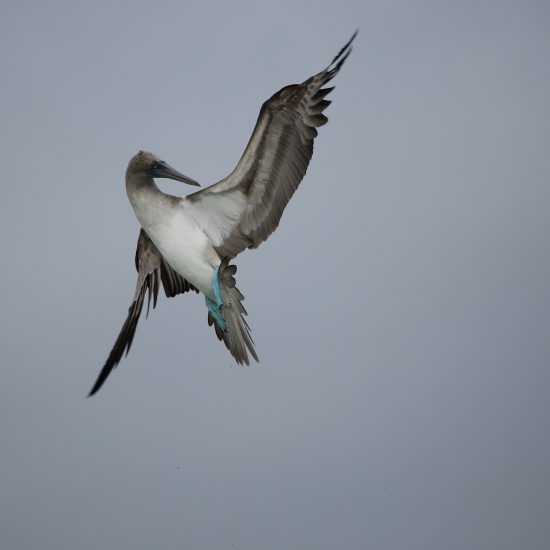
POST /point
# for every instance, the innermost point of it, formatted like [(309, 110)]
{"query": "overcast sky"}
[(401, 310)]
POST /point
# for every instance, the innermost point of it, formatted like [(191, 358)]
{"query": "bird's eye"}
[(155, 166)]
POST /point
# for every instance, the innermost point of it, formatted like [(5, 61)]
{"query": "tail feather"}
[(236, 337)]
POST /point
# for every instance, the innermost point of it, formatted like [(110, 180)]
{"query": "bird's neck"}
[(148, 201), (139, 182)]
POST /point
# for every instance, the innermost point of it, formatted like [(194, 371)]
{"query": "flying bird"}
[(186, 243)]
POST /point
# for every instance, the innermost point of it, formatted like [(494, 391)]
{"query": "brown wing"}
[(152, 269), (242, 210)]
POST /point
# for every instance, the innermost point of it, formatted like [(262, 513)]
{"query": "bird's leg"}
[(215, 308), (216, 287)]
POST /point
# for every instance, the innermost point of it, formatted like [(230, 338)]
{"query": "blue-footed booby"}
[(186, 243)]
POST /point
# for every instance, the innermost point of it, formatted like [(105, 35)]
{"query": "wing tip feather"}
[(342, 55)]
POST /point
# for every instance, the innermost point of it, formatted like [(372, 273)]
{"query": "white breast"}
[(183, 244)]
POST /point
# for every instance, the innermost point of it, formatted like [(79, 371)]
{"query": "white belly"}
[(183, 245)]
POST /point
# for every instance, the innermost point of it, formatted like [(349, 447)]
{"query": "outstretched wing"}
[(152, 269), (242, 210)]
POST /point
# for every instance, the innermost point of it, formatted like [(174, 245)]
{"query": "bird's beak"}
[(166, 171)]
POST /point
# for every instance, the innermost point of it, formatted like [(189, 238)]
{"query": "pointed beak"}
[(164, 170)]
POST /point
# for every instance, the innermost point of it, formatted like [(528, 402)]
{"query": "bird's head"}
[(148, 164)]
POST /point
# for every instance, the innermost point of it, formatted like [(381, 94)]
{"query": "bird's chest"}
[(182, 243)]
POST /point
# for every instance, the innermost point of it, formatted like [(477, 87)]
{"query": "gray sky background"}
[(401, 310)]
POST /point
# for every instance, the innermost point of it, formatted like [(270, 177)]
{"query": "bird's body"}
[(178, 237), (186, 243)]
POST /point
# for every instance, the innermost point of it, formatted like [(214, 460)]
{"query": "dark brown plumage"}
[(152, 270)]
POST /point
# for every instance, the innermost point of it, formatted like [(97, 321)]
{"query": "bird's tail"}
[(227, 314)]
